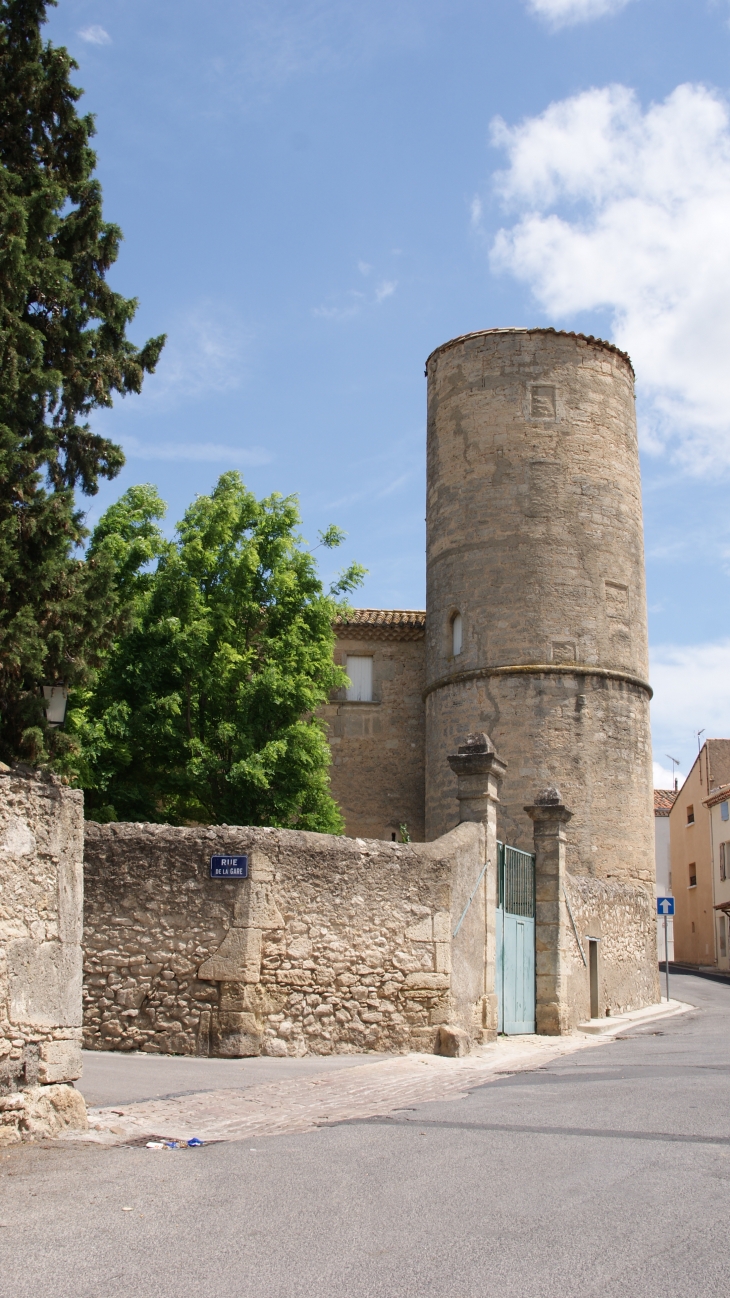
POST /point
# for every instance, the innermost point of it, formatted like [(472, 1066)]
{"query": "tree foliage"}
[(63, 353), (205, 709)]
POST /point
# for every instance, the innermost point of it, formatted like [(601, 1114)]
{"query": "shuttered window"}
[(360, 672)]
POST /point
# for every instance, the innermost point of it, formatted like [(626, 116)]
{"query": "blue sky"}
[(316, 193)]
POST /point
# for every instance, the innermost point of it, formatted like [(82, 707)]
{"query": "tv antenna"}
[(675, 766)]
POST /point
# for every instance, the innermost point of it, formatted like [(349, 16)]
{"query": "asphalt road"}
[(605, 1172)]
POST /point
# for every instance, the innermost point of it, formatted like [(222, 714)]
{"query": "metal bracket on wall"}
[(580, 945), (473, 895)]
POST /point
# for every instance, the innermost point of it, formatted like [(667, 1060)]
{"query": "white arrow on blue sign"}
[(665, 905)]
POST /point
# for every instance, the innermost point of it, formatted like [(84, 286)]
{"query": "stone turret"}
[(536, 607)]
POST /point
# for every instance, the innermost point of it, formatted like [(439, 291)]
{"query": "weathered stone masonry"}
[(41, 893), (535, 554), (331, 945), (343, 945)]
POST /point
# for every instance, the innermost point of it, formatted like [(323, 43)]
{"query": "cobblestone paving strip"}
[(302, 1104)]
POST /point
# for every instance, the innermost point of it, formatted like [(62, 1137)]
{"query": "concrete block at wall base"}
[(60, 1061), (41, 1111), (552, 1019), (490, 1017), (453, 1042), (235, 1036)]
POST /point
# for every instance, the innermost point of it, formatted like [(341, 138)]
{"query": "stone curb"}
[(609, 1027)]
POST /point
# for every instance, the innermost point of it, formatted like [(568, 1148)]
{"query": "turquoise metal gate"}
[(516, 940)]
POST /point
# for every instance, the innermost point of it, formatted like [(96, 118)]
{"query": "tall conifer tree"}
[(63, 352)]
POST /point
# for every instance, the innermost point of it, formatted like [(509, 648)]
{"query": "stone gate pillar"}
[(550, 817), (479, 772)]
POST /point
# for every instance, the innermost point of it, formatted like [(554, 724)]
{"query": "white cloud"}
[(286, 38), (338, 312), (629, 210), (95, 35), (357, 300), (207, 351), (364, 267), (691, 692), (663, 777), (563, 13), (204, 452), (385, 289)]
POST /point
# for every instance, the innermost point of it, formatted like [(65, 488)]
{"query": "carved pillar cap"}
[(549, 806), (476, 756)]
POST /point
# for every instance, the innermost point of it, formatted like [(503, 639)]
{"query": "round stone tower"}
[(536, 604)]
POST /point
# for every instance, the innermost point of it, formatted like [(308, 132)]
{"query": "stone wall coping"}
[(539, 669), (438, 848), (559, 333)]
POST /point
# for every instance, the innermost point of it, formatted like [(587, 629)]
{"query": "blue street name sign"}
[(229, 867), (665, 905)]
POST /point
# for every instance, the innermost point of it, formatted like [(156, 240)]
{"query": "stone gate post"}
[(550, 817), (479, 772)]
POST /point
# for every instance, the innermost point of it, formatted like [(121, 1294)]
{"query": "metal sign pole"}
[(666, 950)]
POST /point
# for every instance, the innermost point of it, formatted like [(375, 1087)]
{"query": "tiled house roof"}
[(664, 800), (383, 624), (721, 794)]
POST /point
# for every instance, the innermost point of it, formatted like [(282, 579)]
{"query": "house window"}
[(457, 634), (690, 814), (693, 875), (360, 671), (724, 860), (724, 813)]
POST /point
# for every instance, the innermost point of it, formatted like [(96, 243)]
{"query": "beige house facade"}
[(691, 828), (663, 802), (377, 727), (718, 806)]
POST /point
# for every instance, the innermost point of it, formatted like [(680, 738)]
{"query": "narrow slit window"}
[(360, 672), (457, 634), (693, 875)]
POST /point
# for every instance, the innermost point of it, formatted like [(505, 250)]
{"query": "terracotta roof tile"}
[(719, 794), (384, 623), (664, 800)]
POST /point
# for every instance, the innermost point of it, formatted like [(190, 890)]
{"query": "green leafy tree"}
[(205, 709), (63, 353)]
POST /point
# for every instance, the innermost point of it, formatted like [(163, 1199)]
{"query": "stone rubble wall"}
[(41, 905), (623, 920), (332, 945)]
